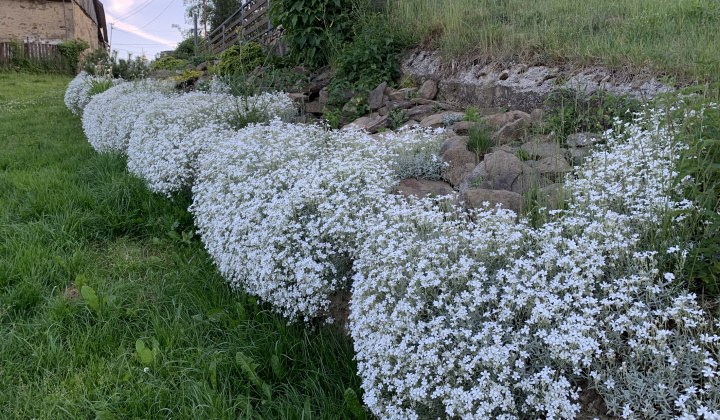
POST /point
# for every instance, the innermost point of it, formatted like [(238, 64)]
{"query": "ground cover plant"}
[(110, 307), (474, 314), (676, 38)]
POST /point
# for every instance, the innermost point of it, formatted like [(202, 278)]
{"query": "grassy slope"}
[(70, 215), (679, 38)]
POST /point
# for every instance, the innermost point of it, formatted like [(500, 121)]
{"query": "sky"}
[(144, 26)]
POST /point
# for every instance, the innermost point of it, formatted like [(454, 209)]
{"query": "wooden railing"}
[(249, 22), (33, 50)]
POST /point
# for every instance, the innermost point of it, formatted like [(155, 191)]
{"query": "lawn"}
[(111, 308)]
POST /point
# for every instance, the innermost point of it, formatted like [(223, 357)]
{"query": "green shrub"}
[(186, 48), (97, 63), (168, 63), (314, 29), (240, 59), (368, 61), (70, 52)]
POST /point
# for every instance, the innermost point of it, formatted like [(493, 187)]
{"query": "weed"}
[(472, 114), (480, 140), (522, 155), (396, 118)]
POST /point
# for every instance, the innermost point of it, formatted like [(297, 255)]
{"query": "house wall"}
[(84, 27), (36, 20)]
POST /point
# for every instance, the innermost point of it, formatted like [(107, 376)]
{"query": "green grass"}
[(678, 38), (69, 218)]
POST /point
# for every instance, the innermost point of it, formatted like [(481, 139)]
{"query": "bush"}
[(314, 29), (109, 116), (70, 52), (168, 63), (239, 60), (368, 61), (98, 62), (173, 131), (185, 49)]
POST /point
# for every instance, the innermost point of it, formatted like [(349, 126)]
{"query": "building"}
[(53, 21)]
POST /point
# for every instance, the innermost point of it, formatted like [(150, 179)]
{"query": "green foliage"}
[(99, 86), (70, 52), (472, 114), (480, 140), (353, 403), (366, 62), (396, 118), (97, 62), (239, 60), (572, 111), (168, 63), (696, 109), (333, 116), (522, 155), (21, 62), (314, 29), (186, 48)]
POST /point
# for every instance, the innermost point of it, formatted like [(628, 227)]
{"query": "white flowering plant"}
[(109, 117), (168, 137), (78, 92), (485, 317)]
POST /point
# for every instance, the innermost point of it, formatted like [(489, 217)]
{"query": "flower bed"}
[(454, 313), (77, 95)]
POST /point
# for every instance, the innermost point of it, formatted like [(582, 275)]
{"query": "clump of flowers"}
[(281, 207), (480, 316), (78, 93), (109, 116), (172, 132)]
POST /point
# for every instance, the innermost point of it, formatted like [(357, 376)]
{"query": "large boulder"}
[(553, 168), (458, 159), (538, 148), (503, 171), (375, 100), (438, 120), (428, 90)]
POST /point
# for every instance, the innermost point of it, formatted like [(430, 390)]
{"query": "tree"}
[(217, 11)]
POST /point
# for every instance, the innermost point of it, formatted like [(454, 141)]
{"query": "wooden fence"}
[(249, 22), (33, 51)]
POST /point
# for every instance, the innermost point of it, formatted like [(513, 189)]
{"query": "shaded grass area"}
[(155, 332), (676, 38)]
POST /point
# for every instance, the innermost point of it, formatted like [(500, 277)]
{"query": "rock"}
[(439, 105), (583, 139), (577, 155), (359, 124), (536, 116), (454, 142), (463, 127), (399, 104), (403, 94), (324, 96), (298, 97), (420, 112), (529, 179), (312, 89), (314, 108), (201, 67), (458, 159), (428, 90), (511, 131), (553, 167), (378, 122), (383, 111), (477, 197), (437, 120), (541, 149), (409, 124), (503, 118), (422, 187), (375, 100), (497, 171)]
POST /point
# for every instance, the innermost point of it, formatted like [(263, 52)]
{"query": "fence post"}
[(242, 20), (223, 32), (196, 38), (267, 13)]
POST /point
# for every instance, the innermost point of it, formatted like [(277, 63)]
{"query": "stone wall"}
[(35, 21), (84, 27), (45, 21)]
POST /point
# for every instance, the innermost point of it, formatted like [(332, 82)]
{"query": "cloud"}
[(127, 27), (119, 7)]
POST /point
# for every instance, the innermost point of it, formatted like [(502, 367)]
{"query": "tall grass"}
[(678, 38), (111, 308)]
